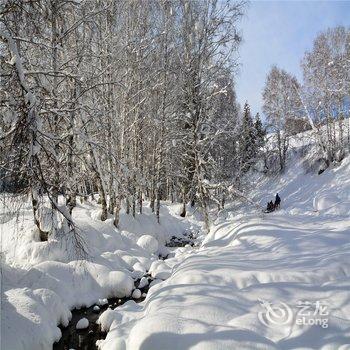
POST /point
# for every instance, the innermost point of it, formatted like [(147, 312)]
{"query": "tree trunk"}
[(35, 205), (117, 212), (152, 200), (158, 207), (104, 213), (183, 212), (127, 205), (140, 202), (54, 45)]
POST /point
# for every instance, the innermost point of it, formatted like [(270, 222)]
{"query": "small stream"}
[(85, 339), (187, 238)]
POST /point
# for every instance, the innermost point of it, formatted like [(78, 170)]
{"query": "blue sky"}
[(279, 32)]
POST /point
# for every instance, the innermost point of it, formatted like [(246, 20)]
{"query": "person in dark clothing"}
[(277, 201), (269, 207)]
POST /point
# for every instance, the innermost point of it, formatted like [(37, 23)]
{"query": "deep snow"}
[(299, 255), (43, 281), (212, 297)]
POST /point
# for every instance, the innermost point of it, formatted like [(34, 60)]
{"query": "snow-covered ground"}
[(274, 281), (43, 281), (258, 281)]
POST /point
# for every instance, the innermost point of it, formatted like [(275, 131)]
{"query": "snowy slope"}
[(299, 256), (304, 192)]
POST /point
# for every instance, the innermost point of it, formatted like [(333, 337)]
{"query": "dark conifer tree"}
[(260, 131), (247, 139)]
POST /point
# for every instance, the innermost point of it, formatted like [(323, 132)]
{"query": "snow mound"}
[(82, 323), (139, 268), (149, 243), (40, 312), (96, 214), (155, 282), (119, 284), (331, 204), (143, 282), (160, 270), (136, 294), (106, 319), (327, 201)]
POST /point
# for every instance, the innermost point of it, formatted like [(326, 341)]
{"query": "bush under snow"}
[(148, 243)]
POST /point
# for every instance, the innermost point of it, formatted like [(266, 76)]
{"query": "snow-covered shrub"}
[(148, 243)]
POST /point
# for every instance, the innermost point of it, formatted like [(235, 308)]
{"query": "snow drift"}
[(43, 281), (213, 298)]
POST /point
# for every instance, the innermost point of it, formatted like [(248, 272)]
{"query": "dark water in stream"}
[(85, 339)]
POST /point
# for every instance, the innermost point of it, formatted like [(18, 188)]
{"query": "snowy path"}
[(212, 299)]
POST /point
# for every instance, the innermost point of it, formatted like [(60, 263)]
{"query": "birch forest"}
[(134, 100), (174, 174)]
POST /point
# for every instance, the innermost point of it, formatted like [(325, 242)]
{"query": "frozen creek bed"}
[(86, 338)]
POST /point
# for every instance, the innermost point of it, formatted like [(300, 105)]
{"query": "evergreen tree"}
[(248, 140), (260, 131)]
